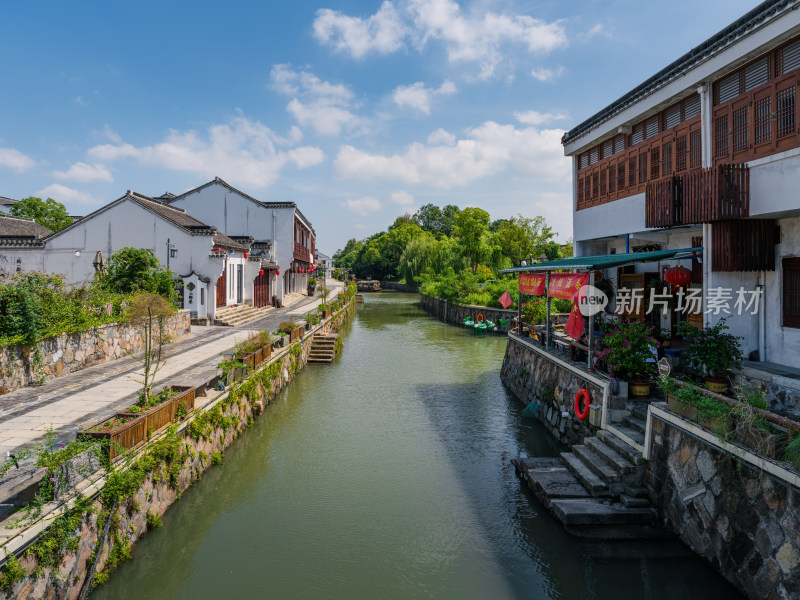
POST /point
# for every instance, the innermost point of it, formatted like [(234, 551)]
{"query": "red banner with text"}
[(531, 284), (562, 285), (566, 285)]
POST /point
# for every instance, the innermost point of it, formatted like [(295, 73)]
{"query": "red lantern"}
[(245, 254), (217, 250), (261, 272), (277, 272), (678, 276)]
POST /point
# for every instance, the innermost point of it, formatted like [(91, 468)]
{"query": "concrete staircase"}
[(240, 315), (596, 490), (322, 348)]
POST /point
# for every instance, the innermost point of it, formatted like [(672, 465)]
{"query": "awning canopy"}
[(607, 261)]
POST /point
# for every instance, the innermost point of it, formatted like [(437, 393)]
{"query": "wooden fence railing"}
[(699, 196)]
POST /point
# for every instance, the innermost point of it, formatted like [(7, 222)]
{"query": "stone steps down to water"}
[(239, 315), (596, 490), (323, 348)]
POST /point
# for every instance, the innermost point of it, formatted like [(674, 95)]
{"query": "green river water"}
[(387, 475)]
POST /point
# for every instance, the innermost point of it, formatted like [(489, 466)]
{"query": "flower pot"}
[(681, 408), (130, 434), (639, 389), (719, 386)]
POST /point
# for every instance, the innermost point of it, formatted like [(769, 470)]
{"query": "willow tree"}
[(150, 312)]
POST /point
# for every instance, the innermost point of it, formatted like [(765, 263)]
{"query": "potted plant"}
[(123, 431), (312, 286), (628, 346), (711, 353)]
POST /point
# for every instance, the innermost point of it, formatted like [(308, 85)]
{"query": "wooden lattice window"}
[(621, 176), (595, 186), (762, 125), (655, 162), (587, 189), (632, 171), (740, 129), (696, 148), (643, 167), (666, 159), (786, 107), (791, 292), (580, 191), (612, 179), (721, 136), (603, 177), (680, 153)]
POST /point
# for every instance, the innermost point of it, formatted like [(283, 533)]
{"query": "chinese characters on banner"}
[(531, 284), (562, 285)]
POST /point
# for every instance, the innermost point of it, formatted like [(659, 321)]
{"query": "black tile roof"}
[(21, 231), (691, 59)]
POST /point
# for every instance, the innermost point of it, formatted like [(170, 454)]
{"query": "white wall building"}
[(706, 152), (277, 226), (214, 268)]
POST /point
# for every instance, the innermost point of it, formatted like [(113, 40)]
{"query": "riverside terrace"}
[(77, 399)]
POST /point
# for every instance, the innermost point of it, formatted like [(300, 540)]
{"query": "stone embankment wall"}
[(400, 287), (222, 422), (533, 376), (783, 392), (72, 352), (456, 313), (741, 519)]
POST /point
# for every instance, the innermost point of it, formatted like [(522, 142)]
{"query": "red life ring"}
[(582, 414), (479, 318)]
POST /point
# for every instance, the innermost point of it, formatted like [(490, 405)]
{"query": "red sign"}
[(566, 285), (531, 284), (562, 285)]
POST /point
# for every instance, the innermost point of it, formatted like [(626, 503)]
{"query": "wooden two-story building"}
[(706, 152)]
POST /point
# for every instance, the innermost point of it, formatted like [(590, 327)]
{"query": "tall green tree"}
[(471, 229), (49, 213), (521, 236), (137, 270)]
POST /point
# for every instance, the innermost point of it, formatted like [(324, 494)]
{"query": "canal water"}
[(387, 475)]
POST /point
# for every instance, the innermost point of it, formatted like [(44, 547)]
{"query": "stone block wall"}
[(72, 352), (745, 522), (456, 313), (783, 393), (156, 495), (536, 379)]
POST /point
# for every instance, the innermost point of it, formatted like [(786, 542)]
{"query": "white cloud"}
[(382, 32), (66, 195), (15, 160), (85, 173), (320, 104), (241, 151), (418, 97), (532, 117), (544, 74), (402, 198), (364, 205), (489, 149), (477, 38), (440, 137)]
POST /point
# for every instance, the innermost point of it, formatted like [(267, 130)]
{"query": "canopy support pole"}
[(547, 322), (519, 313), (589, 366)]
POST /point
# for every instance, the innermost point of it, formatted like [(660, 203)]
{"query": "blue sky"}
[(357, 111)]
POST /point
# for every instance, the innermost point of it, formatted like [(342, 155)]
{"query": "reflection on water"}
[(387, 475)]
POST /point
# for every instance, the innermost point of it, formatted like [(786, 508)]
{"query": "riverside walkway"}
[(68, 403)]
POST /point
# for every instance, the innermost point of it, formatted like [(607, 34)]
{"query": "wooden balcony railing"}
[(699, 196), (301, 253)]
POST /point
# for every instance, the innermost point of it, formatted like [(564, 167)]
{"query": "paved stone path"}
[(68, 403)]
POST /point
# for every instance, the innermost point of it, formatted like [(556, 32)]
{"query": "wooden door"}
[(786, 112), (222, 289), (261, 290), (763, 122), (740, 127)]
